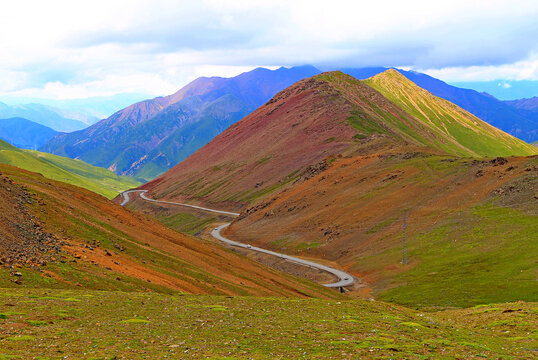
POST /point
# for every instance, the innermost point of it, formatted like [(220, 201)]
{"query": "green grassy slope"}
[(117, 325), (67, 170), (486, 254), (458, 131)]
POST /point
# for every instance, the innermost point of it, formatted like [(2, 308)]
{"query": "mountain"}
[(516, 122), (486, 107), (464, 134), (61, 236), (330, 167), (71, 171), (88, 110), (326, 115), (524, 104), (54, 118), (147, 138), (505, 90), (24, 133)]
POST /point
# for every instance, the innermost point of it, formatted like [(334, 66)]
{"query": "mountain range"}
[(54, 118), (149, 137), (24, 133), (328, 114)]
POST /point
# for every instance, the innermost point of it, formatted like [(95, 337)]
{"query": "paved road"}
[(344, 279)]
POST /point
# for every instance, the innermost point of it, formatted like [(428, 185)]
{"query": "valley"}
[(339, 218), (343, 200)]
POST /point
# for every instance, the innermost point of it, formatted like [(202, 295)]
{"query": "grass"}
[(105, 325), (186, 223), (74, 172), (484, 255), (360, 121)]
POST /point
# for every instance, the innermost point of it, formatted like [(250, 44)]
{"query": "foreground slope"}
[(54, 235), (97, 325), (328, 114), (149, 137), (59, 168)]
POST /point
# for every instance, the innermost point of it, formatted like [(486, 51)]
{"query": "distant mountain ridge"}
[(24, 133), (49, 116), (147, 138), (524, 104)]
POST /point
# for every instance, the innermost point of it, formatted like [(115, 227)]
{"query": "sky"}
[(76, 49)]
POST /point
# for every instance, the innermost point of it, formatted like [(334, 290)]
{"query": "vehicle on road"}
[(249, 246)]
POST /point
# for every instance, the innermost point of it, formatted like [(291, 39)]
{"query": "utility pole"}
[(405, 261)]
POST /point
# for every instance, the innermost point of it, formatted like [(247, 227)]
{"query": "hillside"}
[(505, 115), (63, 169), (497, 113), (464, 134), (471, 224), (149, 137), (24, 133), (59, 236), (326, 115)]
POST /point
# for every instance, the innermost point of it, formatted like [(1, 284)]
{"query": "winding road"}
[(344, 279)]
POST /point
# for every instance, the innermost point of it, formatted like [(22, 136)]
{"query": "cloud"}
[(520, 70), (68, 47), (504, 85)]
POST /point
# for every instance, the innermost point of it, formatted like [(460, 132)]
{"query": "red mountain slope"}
[(299, 127)]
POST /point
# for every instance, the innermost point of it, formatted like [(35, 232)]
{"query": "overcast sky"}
[(71, 49)]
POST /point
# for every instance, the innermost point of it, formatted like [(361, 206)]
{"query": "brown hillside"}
[(58, 235), (352, 214)]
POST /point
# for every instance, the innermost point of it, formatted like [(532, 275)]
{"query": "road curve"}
[(344, 279)]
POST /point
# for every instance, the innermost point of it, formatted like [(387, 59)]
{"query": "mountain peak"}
[(394, 77)]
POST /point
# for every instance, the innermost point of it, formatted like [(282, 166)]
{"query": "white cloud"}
[(521, 70), (60, 48)]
